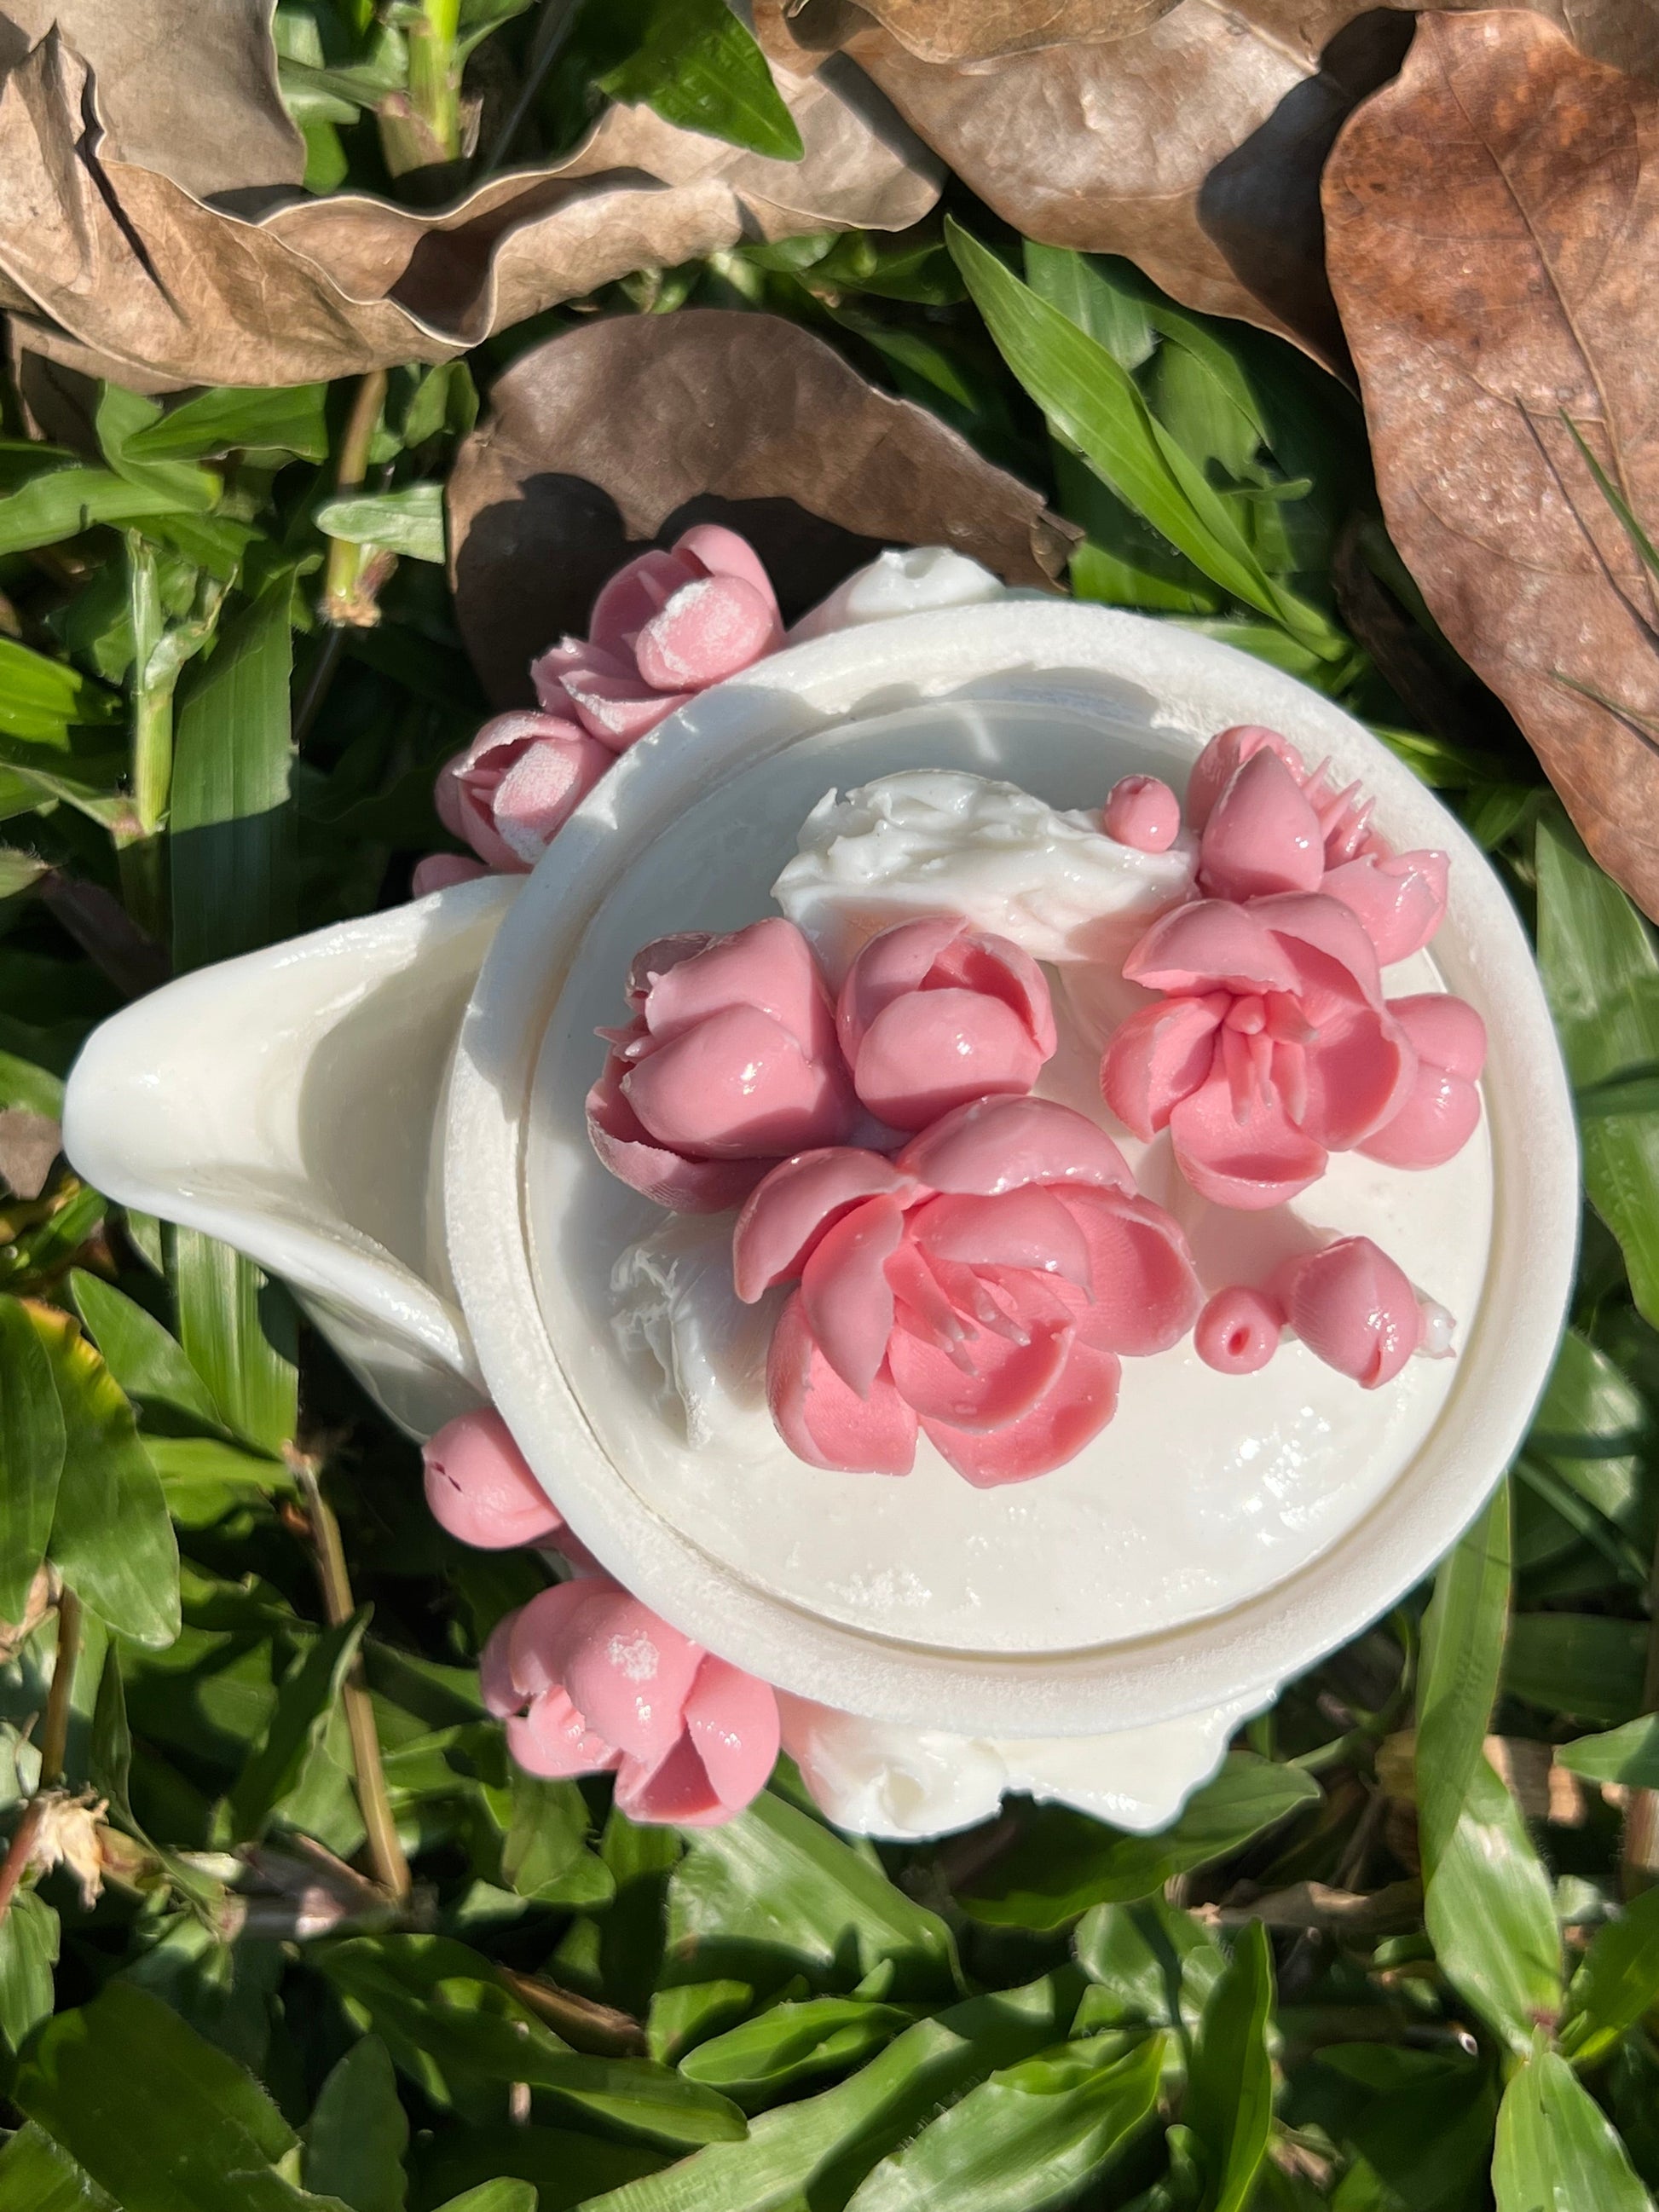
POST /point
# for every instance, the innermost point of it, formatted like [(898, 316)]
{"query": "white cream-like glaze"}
[(940, 840), (1203, 1490)]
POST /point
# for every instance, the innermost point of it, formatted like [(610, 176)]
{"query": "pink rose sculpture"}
[(1266, 825), (729, 1063), (591, 1681), (982, 1287), (934, 1014), (665, 627)]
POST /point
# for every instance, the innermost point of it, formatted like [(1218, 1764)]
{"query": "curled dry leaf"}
[(104, 256), (976, 30), (1493, 225), (1194, 145), (185, 89), (29, 1143), (635, 427)]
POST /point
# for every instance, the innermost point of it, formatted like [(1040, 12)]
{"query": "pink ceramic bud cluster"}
[(981, 1287), (588, 1679), (665, 627), (1350, 1304), (1273, 1044), (736, 1056)]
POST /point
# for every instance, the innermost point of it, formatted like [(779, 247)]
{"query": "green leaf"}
[(303, 1706), (237, 1333), (1628, 1754), (32, 1445), (1063, 1862), (122, 414), (28, 1951), (410, 520), (544, 1854), (1578, 1662), (1150, 1965), (41, 701), (698, 65), (37, 2175), (231, 819), (1490, 1911), (67, 498), (1617, 1983), (815, 2151), (1601, 973), (1230, 2081), (147, 1363), (1092, 400), (448, 2020), (111, 1537), (290, 419), (1463, 1650), (495, 2197), (1556, 2150), (1088, 291), (776, 1880), (1031, 2136), (357, 2134), (564, 2168), (792, 2042), (157, 2115), (110, 1764)]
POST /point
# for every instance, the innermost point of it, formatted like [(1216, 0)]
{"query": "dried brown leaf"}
[(1194, 145), (977, 30), (1493, 228), (29, 1143), (633, 427), (187, 89), (115, 259)]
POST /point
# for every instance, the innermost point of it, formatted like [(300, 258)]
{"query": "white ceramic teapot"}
[(387, 1114)]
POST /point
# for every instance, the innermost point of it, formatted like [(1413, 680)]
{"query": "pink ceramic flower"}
[(664, 628), (730, 1062), (1354, 1308), (933, 1013), (1266, 825), (1273, 1047), (480, 1488), (515, 785), (591, 1681), (1443, 1106), (982, 1287)]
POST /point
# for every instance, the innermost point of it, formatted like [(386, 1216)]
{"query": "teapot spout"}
[(290, 1103)]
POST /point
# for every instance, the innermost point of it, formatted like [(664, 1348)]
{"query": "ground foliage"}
[(281, 1925)]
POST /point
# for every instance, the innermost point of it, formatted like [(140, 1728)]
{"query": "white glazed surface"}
[(1163, 691), (1162, 1518)]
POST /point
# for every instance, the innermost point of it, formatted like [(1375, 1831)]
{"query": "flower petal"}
[(437, 872), (1156, 1059), (823, 1422), (998, 1144), (847, 1296), (1212, 944), (546, 1630), (1262, 837), (480, 1487), (628, 1673), (1031, 1227), (738, 1086), (1400, 899), (722, 552), (1358, 1071), (674, 1791), (934, 1050), (543, 788), (712, 628), (620, 710), (1437, 1116), (1146, 1295), (894, 961), (552, 1739), (1444, 1031), (637, 591), (988, 1378), (1354, 1308), (732, 1719), (1077, 1407), (1221, 760), (1332, 959), (626, 1147), (1250, 1160), (790, 1210), (768, 965)]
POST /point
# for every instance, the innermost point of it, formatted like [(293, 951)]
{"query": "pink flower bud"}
[(934, 1014), (482, 1491), (1142, 813)]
